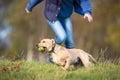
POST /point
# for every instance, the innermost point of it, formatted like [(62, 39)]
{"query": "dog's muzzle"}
[(44, 48)]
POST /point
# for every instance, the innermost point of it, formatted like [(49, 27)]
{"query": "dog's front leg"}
[(67, 65), (63, 68)]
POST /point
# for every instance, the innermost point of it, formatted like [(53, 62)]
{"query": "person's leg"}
[(67, 24), (58, 30)]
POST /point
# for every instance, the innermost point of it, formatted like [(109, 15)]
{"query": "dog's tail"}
[(93, 59)]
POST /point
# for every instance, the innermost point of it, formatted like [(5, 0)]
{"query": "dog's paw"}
[(65, 69)]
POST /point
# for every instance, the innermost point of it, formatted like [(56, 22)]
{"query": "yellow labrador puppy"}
[(65, 57)]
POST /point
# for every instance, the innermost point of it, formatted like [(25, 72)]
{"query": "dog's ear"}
[(53, 41)]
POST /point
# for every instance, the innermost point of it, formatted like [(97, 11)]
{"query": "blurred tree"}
[(5, 29), (27, 28), (102, 33), (94, 36), (113, 36), (108, 18)]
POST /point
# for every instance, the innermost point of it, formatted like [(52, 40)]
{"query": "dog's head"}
[(46, 45)]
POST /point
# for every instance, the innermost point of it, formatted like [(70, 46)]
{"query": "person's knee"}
[(61, 39)]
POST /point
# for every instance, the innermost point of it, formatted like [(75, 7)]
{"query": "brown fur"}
[(65, 57)]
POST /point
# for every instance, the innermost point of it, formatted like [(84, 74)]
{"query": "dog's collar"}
[(53, 48)]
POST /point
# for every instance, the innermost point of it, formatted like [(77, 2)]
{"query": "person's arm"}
[(31, 4), (87, 9)]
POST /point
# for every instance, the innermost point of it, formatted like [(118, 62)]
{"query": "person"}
[(58, 15)]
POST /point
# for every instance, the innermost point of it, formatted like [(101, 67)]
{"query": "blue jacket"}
[(52, 7)]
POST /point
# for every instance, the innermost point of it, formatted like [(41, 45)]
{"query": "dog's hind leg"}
[(93, 60), (85, 61)]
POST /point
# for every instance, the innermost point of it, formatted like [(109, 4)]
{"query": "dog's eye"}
[(43, 41)]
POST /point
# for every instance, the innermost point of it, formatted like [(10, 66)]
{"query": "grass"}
[(23, 70)]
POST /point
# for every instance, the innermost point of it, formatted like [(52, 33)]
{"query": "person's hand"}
[(88, 17), (27, 11)]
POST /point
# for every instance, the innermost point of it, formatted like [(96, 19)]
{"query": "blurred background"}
[(20, 32)]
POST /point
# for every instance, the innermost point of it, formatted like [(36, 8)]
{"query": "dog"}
[(65, 57)]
